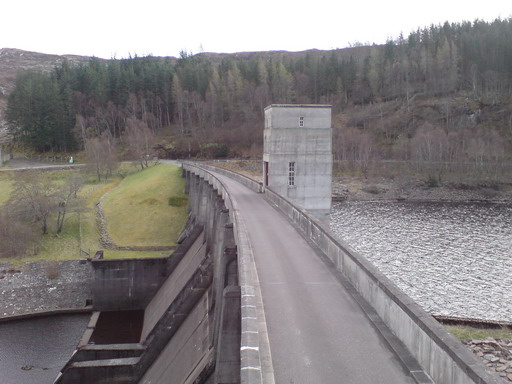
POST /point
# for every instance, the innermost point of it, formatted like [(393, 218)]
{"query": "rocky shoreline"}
[(375, 189), (44, 286), (496, 354)]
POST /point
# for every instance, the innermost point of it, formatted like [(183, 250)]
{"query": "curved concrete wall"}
[(443, 357), (247, 181), (250, 367)]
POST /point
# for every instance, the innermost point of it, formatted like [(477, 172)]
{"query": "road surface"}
[(317, 333)]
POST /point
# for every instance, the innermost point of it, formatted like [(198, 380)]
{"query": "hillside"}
[(14, 60), (439, 100)]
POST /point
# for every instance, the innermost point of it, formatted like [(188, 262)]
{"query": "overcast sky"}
[(118, 28)]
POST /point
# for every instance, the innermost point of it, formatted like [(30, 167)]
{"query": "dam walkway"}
[(317, 332)]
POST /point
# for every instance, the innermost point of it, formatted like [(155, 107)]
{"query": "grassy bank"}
[(5, 187), (137, 209), (138, 212)]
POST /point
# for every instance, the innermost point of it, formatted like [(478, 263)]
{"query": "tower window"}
[(291, 173), (301, 121)]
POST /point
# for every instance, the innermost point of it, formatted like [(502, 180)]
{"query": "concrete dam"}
[(259, 291)]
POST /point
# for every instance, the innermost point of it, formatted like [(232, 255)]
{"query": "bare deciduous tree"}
[(34, 198), (37, 198), (16, 236), (430, 149), (141, 141), (101, 155), (67, 198), (356, 148)]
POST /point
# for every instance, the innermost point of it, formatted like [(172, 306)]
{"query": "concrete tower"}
[(297, 155)]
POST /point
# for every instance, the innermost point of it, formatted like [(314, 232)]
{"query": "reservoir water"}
[(454, 259), (33, 351)]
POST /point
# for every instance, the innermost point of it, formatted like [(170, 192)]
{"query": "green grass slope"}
[(138, 213)]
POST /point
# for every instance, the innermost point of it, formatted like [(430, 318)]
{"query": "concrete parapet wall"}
[(443, 357), (247, 181), (188, 325), (250, 360)]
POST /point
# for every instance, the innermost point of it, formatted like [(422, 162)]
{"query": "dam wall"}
[(190, 331), (200, 179)]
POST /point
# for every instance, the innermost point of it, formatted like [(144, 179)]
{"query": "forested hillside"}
[(13, 61), (440, 95)]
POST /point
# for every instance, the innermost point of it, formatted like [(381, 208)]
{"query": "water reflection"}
[(35, 350), (454, 259)]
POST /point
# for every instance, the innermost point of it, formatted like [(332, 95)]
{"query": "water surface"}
[(454, 259), (33, 351)]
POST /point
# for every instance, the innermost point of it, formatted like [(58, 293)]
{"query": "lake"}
[(454, 259)]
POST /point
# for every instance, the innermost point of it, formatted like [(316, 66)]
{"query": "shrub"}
[(432, 182)]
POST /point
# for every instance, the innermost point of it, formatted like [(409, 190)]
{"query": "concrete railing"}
[(250, 360), (247, 181), (445, 359)]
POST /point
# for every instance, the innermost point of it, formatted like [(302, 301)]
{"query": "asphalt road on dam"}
[(317, 332)]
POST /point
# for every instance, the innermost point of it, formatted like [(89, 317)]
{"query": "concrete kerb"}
[(254, 338), (54, 312), (452, 362)]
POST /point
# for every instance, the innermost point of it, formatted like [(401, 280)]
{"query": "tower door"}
[(265, 173)]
